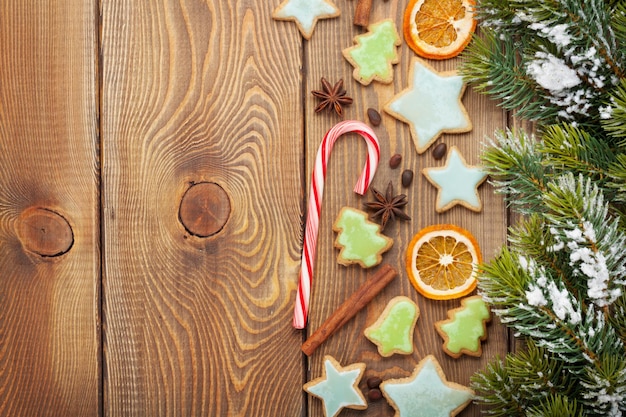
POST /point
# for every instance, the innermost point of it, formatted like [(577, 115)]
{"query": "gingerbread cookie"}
[(338, 388), (359, 240), (306, 13), (375, 53), (431, 105), (465, 328), (393, 331), (426, 393), (456, 182)]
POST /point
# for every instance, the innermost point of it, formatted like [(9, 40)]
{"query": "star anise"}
[(388, 206), (332, 97)]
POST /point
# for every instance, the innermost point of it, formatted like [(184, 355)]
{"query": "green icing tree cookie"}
[(465, 328), (359, 240), (374, 53)]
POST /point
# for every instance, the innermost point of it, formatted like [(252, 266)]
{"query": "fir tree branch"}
[(562, 282), (493, 66), (557, 406), (520, 166), (617, 318), (594, 20), (574, 148), (531, 237), (617, 174), (619, 21), (579, 219), (615, 116), (511, 387), (551, 61), (497, 392), (516, 170), (507, 283), (531, 297), (605, 386)]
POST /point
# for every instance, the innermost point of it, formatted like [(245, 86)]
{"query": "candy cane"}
[(315, 204)]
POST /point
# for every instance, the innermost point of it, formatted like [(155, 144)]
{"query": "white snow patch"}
[(552, 73)]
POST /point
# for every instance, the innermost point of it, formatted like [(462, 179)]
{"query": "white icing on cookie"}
[(338, 388), (431, 105), (457, 182), (305, 13), (426, 393)]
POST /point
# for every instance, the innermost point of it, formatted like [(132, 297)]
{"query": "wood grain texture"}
[(177, 95), (332, 282), (201, 91), (49, 305)]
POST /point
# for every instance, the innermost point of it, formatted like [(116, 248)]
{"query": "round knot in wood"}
[(44, 232), (204, 209)]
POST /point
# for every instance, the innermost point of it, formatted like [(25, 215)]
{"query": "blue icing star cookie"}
[(305, 13), (431, 105), (456, 182), (426, 393), (338, 388)]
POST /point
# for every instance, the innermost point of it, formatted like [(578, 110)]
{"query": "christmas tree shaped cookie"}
[(359, 240), (375, 53), (465, 328), (393, 331), (338, 388)]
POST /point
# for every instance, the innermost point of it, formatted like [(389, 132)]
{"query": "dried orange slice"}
[(439, 29), (442, 262)]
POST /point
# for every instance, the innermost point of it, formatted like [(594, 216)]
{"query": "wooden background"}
[(110, 111)]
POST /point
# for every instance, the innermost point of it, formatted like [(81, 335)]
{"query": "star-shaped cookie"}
[(431, 105), (338, 388), (426, 393), (457, 182), (305, 13)]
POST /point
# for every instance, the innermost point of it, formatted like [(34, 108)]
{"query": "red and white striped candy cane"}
[(315, 204)]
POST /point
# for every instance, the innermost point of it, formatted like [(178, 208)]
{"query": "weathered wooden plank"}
[(49, 209), (333, 283), (201, 102)]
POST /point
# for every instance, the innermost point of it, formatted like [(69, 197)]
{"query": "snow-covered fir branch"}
[(568, 49), (581, 226), (560, 282)]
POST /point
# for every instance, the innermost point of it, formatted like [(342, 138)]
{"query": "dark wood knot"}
[(44, 232), (204, 209)]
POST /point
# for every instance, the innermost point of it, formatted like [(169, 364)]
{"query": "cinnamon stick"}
[(359, 299), (362, 13)]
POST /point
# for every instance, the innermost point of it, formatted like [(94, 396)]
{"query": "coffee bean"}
[(394, 161), (373, 382), (439, 151), (374, 394), (374, 116), (407, 177)]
